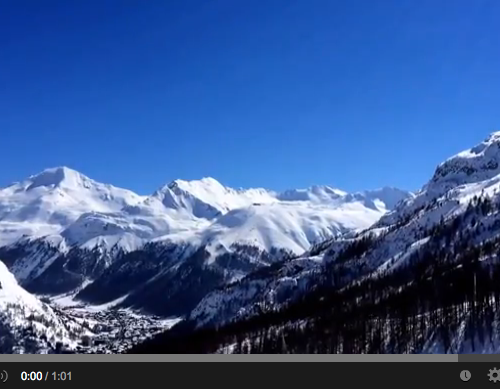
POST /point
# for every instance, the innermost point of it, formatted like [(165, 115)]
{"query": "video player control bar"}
[(115, 374)]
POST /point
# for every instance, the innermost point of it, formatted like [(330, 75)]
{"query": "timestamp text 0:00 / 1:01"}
[(39, 376)]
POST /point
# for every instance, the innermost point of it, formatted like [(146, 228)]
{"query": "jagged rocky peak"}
[(479, 163), (456, 178)]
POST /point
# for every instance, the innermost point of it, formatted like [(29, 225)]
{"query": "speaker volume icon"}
[(3, 376)]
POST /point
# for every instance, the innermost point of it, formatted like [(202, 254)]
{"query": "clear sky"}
[(355, 94)]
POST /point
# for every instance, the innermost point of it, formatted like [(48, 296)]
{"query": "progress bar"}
[(252, 358)]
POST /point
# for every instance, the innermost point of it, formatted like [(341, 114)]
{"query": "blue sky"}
[(282, 93)]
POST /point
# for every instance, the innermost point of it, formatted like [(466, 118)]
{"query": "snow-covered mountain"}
[(61, 232), (48, 202), (207, 198), (431, 241), (61, 201)]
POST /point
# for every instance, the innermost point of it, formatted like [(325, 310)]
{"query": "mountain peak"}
[(492, 140), (200, 197), (479, 163), (57, 176), (494, 137), (210, 180), (60, 170), (192, 184)]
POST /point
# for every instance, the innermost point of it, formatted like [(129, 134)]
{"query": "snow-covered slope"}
[(130, 228), (26, 324), (291, 226), (12, 293)]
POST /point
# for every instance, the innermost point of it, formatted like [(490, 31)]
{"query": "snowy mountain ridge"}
[(61, 201)]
